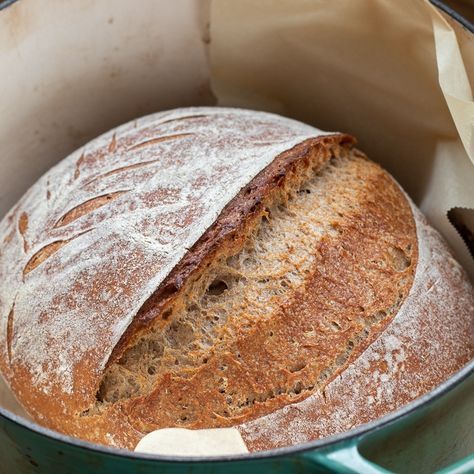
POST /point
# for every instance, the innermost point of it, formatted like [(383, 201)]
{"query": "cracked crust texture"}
[(139, 248)]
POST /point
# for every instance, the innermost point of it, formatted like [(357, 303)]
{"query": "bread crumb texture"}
[(273, 322)]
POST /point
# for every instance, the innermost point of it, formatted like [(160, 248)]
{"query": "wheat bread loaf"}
[(212, 267)]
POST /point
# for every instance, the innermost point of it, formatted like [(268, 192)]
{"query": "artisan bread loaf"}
[(212, 267)]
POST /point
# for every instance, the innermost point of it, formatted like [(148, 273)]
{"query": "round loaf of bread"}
[(212, 267)]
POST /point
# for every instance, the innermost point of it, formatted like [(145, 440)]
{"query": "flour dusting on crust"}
[(107, 224)]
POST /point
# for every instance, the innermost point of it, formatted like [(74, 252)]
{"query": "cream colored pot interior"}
[(394, 74)]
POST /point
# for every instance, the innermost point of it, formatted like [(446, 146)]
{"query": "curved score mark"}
[(87, 207), (10, 217), (47, 251), (22, 228), (113, 144), (119, 170), (9, 236), (188, 117), (77, 171), (10, 332), (154, 141)]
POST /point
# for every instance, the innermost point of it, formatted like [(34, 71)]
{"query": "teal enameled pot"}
[(435, 433)]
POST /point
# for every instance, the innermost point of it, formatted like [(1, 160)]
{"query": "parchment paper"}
[(390, 73)]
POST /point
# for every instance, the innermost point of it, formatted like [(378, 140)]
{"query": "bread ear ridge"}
[(237, 220)]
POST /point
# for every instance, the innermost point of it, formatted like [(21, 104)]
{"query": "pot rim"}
[(403, 412), (364, 429), (452, 13)]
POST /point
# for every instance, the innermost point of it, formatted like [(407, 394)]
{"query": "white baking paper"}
[(183, 442), (390, 73)]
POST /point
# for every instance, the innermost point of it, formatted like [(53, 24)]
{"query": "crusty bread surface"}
[(214, 267)]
